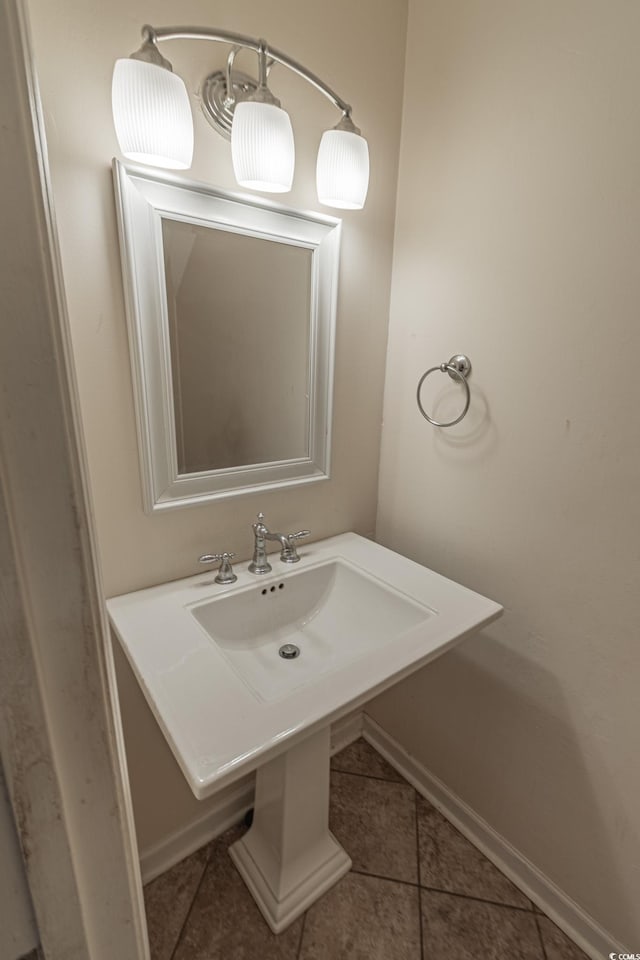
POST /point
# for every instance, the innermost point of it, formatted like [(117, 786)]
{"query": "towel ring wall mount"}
[(458, 368)]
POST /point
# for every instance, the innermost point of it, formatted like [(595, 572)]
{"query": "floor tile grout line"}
[(468, 896), (415, 800), (542, 946), (370, 776), (402, 781), (304, 920), (193, 900), (450, 893)]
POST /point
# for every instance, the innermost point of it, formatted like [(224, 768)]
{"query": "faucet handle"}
[(289, 553), (225, 573), (299, 535)]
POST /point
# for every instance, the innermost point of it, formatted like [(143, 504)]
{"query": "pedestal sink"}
[(250, 677)]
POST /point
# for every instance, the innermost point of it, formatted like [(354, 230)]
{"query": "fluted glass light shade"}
[(342, 171), (152, 115), (262, 147)]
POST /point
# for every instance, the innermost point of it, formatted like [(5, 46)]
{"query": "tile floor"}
[(417, 891)]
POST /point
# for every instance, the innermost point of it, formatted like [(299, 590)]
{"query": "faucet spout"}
[(288, 551), (282, 539)]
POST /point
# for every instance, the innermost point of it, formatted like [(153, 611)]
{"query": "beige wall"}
[(358, 47), (517, 242)]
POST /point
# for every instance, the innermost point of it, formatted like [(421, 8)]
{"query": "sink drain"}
[(289, 651)]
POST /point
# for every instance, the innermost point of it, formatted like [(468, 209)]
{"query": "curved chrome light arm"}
[(230, 61), (155, 34), (342, 168)]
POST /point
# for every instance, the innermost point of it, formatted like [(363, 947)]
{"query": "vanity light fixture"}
[(154, 125)]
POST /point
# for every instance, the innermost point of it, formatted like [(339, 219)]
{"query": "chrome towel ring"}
[(458, 368)]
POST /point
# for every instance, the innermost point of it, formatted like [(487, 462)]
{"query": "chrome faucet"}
[(288, 552)]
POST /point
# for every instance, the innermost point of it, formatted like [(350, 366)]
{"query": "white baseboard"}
[(571, 918), (224, 810)]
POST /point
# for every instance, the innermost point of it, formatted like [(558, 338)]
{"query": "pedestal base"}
[(279, 913), (289, 857)]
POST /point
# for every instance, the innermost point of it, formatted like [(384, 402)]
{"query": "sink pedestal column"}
[(289, 858)]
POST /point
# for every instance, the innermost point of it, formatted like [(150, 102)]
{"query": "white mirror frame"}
[(142, 198)]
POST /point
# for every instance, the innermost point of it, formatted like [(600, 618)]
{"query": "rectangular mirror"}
[(231, 306)]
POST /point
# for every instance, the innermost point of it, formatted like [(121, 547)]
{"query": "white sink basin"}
[(206, 655), (332, 613)]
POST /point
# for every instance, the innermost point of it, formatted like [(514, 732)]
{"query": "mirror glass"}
[(231, 306), (239, 346)]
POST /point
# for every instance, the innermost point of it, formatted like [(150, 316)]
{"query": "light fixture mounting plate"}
[(217, 106)]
